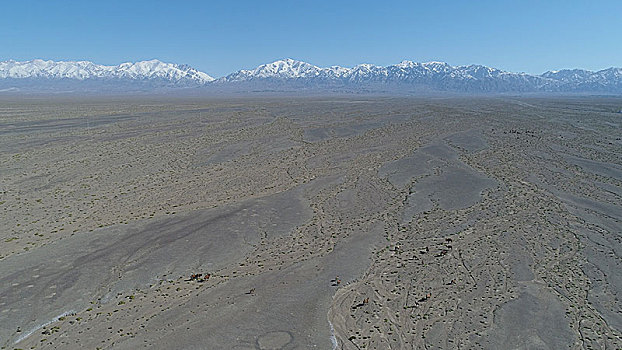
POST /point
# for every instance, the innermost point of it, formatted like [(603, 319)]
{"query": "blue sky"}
[(220, 37)]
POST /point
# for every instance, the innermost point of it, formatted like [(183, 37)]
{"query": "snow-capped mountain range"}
[(84, 70), (434, 76), (292, 75)]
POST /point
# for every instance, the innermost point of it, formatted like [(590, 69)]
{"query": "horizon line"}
[(303, 61)]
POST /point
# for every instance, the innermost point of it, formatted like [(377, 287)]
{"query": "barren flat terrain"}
[(341, 223)]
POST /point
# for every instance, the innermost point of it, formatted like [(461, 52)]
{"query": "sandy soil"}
[(367, 223)]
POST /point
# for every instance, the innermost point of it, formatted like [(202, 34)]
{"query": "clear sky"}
[(220, 37)]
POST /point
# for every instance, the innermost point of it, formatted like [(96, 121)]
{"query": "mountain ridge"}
[(293, 75), (83, 70)]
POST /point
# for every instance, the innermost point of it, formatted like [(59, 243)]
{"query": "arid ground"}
[(328, 223)]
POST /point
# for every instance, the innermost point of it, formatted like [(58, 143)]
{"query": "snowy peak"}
[(48, 69), (287, 68), (281, 69), (605, 80), (155, 69), (406, 64), (84, 70), (437, 67), (568, 74)]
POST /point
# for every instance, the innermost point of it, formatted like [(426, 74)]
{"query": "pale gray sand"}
[(438, 177), (95, 266), (297, 297), (534, 320), (449, 223), (470, 141)]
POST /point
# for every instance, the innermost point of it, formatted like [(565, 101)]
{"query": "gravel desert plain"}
[(294, 223)]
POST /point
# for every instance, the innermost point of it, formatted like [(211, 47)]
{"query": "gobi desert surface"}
[(369, 223)]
